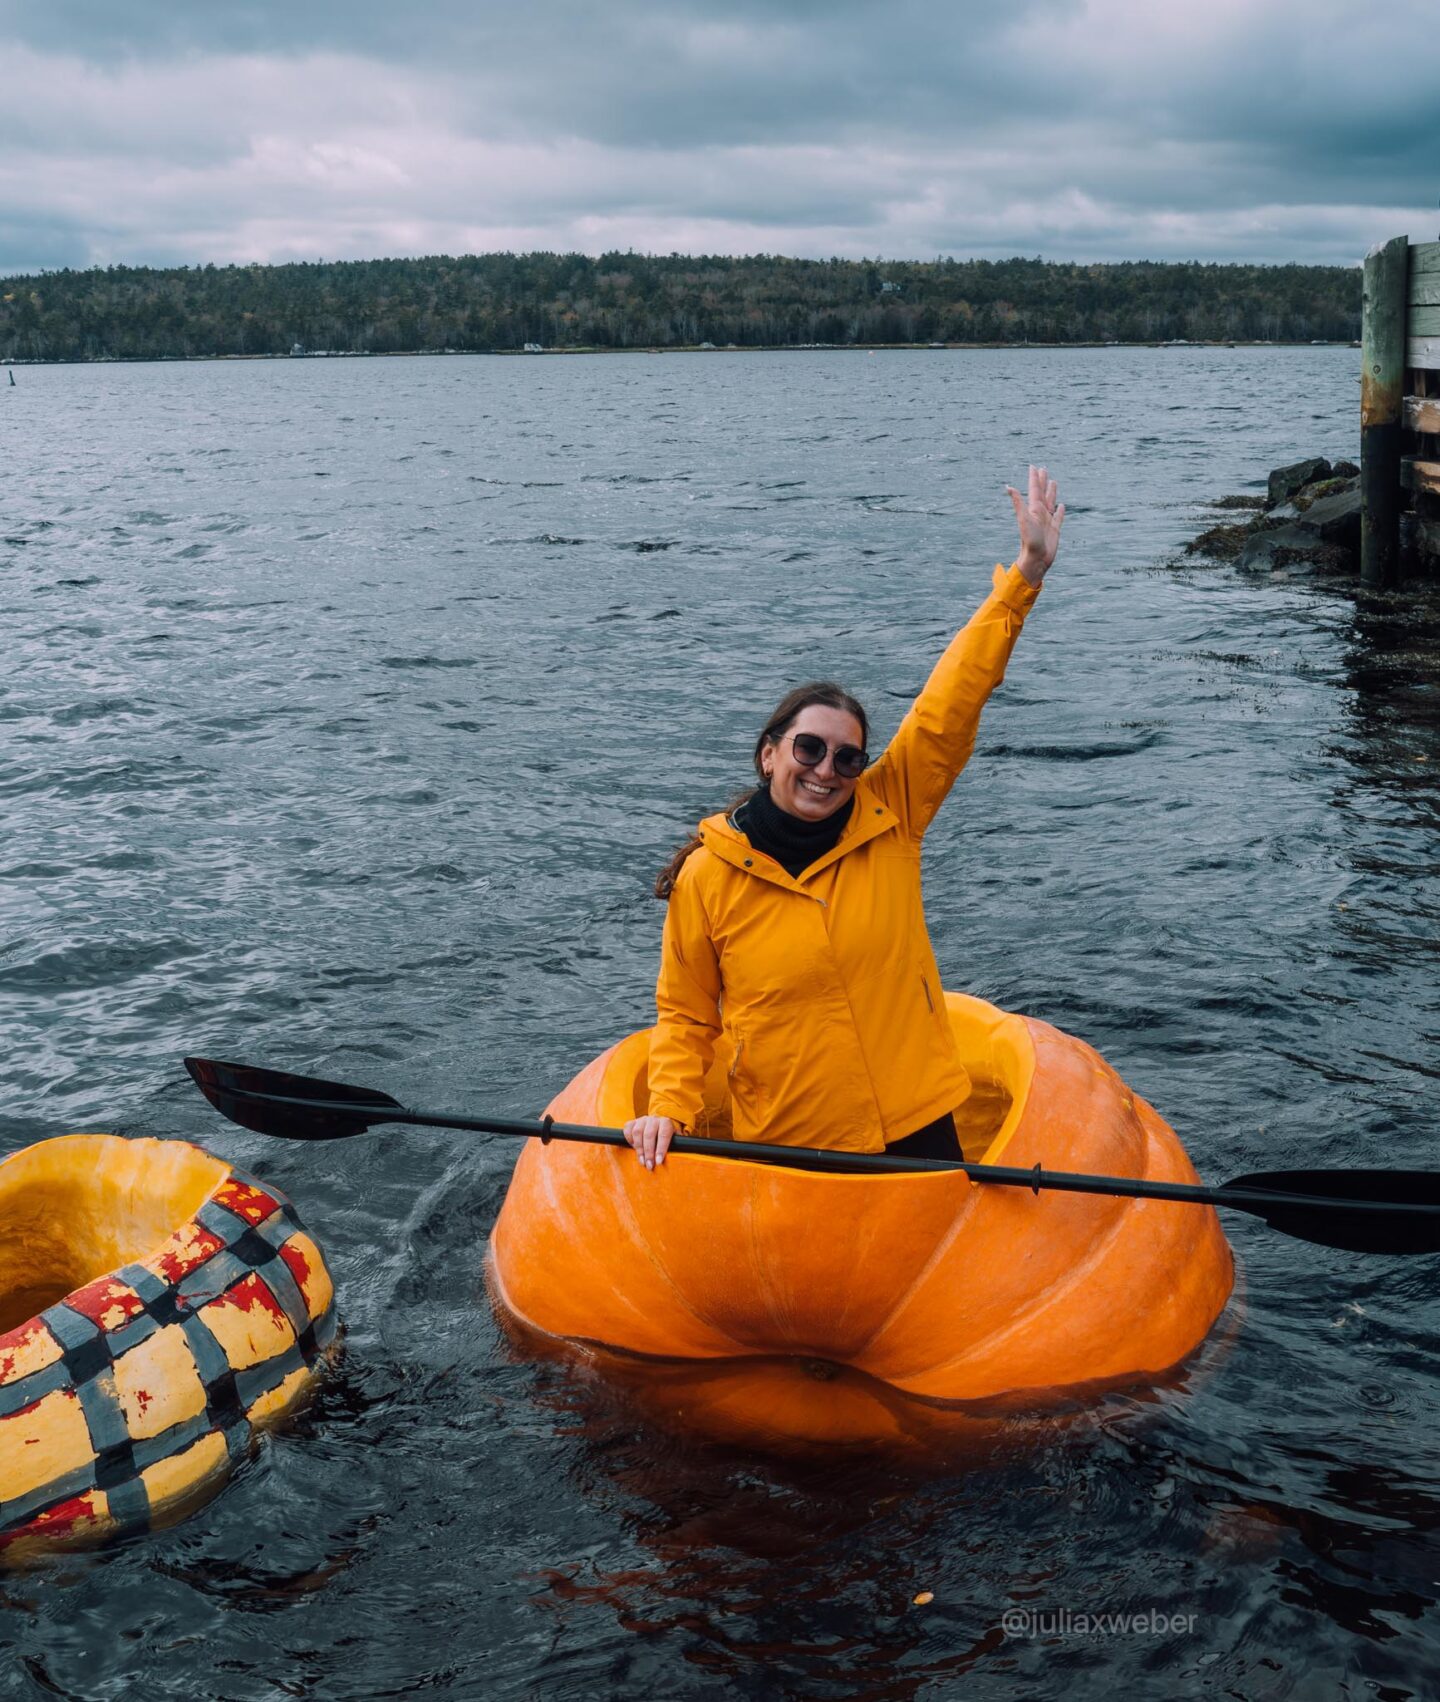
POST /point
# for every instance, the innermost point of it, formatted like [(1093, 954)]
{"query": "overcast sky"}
[(161, 132)]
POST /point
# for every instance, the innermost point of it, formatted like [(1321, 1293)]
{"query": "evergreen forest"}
[(498, 302)]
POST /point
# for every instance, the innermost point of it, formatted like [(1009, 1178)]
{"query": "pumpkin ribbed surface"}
[(769, 1304)]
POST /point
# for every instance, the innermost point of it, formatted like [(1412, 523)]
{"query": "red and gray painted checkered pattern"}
[(247, 1245)]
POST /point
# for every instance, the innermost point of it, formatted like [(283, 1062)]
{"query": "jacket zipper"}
[(735, 1062), (925, 983)]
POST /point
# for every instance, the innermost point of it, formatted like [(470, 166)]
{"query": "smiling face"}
[(811, 793)]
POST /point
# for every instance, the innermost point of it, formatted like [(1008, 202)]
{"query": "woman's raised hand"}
[(651, 1138), (1040, 518)]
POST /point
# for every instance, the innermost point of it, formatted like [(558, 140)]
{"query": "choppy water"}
[(346, 709)]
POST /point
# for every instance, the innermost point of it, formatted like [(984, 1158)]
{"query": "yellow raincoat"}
[(822, 993)]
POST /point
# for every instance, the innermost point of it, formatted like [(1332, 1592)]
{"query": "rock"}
[(1264, 549), (1285, 547), (1285, 481), (1310, 523), (1325, 533), (1335, 519), (1322, 487)]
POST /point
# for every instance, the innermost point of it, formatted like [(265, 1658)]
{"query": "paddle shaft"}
[(859, 1163)]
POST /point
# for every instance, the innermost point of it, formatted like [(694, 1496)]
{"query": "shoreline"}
[(668, 349)]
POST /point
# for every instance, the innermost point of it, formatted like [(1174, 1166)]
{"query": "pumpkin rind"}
[(772, 1304), (128, 1395)]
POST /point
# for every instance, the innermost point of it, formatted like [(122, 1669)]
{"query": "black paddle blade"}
[(247, 1095), (1408, 1220)]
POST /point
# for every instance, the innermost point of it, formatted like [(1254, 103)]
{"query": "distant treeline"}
[(503, 301)]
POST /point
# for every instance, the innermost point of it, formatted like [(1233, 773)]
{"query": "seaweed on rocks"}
[(1223, 542), (1309, 516)]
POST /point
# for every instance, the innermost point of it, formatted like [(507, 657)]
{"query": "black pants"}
[(935, 1140)]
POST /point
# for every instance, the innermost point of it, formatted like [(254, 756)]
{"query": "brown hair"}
[(824, 692)]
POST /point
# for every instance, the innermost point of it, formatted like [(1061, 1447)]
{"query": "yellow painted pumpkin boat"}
[(781, 1307), (157, 1308)]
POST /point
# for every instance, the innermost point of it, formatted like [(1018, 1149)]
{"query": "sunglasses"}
[(850, 761)]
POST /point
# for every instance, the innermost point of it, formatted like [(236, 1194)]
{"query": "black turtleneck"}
[(793, 843)]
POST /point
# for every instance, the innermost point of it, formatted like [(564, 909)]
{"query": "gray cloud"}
[(1085, 129)]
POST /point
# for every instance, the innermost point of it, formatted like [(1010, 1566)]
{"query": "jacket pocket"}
[(929, 999), (748, 1094)]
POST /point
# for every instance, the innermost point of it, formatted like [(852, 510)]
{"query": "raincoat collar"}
[(868, 820)]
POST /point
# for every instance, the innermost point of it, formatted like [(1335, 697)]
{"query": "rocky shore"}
[(1308, 519)]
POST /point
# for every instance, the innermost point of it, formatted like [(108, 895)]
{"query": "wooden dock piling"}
[(1400, 412), (1382, 394)]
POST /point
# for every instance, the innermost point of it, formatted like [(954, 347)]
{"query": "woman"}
[(795, 938)]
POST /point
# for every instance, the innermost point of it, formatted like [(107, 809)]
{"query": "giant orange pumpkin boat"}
[(157, 1309), (777, 1306)]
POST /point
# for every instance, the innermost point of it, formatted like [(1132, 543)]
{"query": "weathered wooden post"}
[(1382, 386)]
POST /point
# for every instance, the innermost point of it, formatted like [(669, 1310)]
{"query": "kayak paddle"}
[(1362, 1211)]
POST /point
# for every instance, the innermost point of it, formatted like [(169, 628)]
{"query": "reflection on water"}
[(351, 707)]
